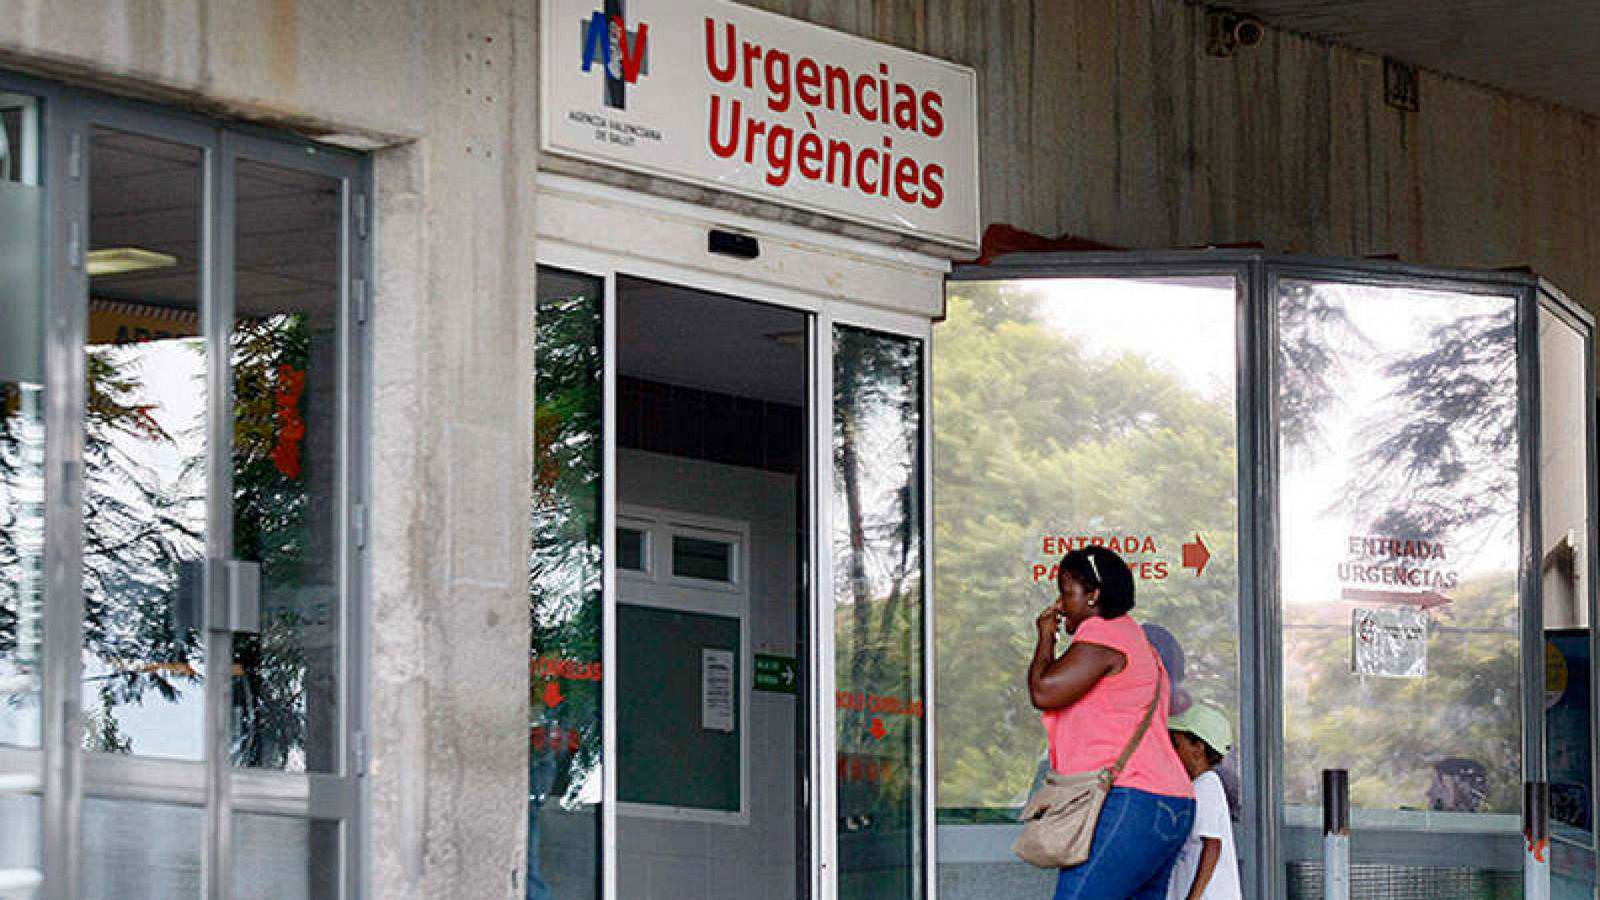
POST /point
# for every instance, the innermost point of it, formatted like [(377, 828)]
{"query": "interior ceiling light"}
[(122, 260)]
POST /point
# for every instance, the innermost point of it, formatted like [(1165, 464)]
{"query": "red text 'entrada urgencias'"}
[(879, 705), (874, 97), (570, 669)]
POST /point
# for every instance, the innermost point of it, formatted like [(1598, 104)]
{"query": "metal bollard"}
[(1536, 840), (1335, 834)]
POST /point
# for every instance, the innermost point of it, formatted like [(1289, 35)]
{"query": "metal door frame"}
[(823, 313), (211, 784), (1550, 298)]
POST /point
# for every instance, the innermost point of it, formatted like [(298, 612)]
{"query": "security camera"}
[(1230, 30), (1248, 31)]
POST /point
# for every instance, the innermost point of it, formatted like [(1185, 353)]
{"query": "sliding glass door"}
[(728, 590)]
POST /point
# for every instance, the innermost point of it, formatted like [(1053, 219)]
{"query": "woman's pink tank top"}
[(1089, 734)]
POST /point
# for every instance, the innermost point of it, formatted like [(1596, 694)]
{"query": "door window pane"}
[(22, 481), (1398, 456), (144, 505), (1074, 411), (878, 614), (700, 558), (287, 478), (1564, 535), (633, 550), (281, 858), (564, 584), (22, 435), (133, 850)]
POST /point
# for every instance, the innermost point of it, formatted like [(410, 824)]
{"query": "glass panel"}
[(878, 614), (564, 584), (1074, 411), (144, 509), (699, 558), (22, 483), (632, 549), (1399, 501), (1565, 507), (141, 851), (21, 849), (279, 858), (22, 437), (711, 757), (680, 712), (286, 465)]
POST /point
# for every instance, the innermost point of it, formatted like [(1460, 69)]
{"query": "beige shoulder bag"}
[(1058, 821)]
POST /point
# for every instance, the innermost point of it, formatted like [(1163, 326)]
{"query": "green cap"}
[(1206, 723)]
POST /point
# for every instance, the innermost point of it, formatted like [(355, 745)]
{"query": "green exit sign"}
[(777, 674)]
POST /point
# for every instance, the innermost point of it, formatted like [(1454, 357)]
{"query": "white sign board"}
[(1392, 643), (733, 98), (716, 690)]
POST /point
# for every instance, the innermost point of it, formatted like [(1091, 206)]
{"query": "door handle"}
[(235, 608), (241, 598)]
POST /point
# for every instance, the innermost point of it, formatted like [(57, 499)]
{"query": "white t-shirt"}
[(1210, 821)]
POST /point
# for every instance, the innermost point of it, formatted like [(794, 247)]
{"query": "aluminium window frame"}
[(662, 589), (1260, 618), (213, 784)]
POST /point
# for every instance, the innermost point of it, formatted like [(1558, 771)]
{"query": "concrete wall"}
[(1105, 119), (447, 90)]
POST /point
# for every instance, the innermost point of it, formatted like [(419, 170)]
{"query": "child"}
[(1207, 867)]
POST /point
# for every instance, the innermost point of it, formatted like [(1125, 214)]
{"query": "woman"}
[(1094, 696)]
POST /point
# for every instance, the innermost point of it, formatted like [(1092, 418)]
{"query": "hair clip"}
[(1093, 565)]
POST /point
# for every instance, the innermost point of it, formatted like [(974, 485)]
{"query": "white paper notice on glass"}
[(716, 690), (1390, 643)]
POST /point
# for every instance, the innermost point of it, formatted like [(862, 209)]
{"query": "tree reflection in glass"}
[(284, 696), (1409, 501), (564, 590), (877, 554), (1076, 408), (22, 501), (144, 513)]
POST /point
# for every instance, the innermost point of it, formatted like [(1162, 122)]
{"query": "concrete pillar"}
[(453, 386)]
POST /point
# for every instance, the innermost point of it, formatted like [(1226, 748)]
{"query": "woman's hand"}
[(1049, 622)]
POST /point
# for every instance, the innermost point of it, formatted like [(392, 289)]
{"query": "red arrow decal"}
[(552, 694), (1424, 599), (878, 731), (1196, 555)]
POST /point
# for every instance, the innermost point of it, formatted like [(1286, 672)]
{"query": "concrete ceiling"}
[(1544, 49)]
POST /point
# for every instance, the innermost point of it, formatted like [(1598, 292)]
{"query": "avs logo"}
[(621, 52)]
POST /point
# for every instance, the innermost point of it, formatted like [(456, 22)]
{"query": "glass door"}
[(1401, 592), (204, 519), (880, 624), (726, 697), (23, 494), (149, 513), (1566, 576), (1079, 406)]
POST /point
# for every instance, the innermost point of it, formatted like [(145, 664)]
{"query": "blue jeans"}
[(1135, 845)]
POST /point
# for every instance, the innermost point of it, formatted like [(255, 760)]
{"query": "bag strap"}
[(1144, 725)]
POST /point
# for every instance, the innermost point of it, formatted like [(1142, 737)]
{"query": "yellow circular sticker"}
[(1555, 675)]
